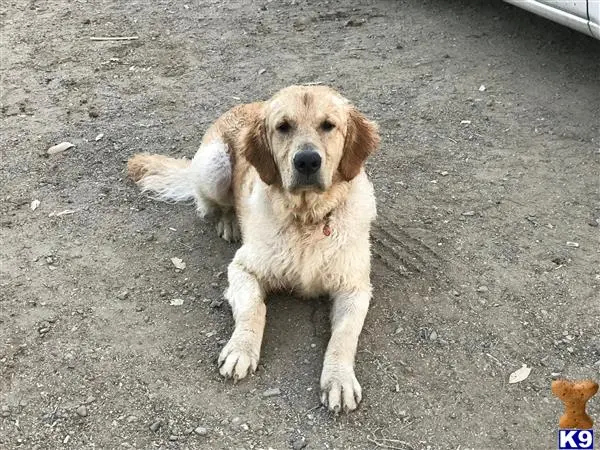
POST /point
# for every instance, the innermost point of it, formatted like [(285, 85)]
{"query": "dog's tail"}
[(168, 179)]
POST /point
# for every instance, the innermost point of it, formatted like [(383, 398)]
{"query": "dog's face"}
[(308, 138)]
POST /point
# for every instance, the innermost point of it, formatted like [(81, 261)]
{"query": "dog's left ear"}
[(362, 139), (258, 153)]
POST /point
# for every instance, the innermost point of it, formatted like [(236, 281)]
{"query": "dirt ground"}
[(472, 273)]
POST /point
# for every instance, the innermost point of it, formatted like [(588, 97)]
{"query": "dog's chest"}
[(305, 259)]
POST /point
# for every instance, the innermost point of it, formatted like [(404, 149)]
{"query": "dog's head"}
[(307, 138)]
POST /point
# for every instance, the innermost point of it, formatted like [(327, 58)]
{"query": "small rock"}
[(244, 427), (34, 205), (173, 438), (59, 148), (354, 23), (482, 289), (178, 263), (82, 411), (261, 71), (5, 411), (236, 421), (131, 419), (573, 244), (201, 431), (122, 295), (468, 213), (272, 392), (98, 137), (215, 304), (433, 336), (444, 173), (455, 293), (90, 399), (299, 444), (301, 23), (482, 88), (139, 308), (155, 426)]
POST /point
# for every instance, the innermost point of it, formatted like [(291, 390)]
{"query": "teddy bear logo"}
[(575, 396)]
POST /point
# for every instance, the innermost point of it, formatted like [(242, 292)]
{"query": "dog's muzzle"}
[(307, 168)]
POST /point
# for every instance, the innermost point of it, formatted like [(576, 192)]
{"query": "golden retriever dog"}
[(287, 176)]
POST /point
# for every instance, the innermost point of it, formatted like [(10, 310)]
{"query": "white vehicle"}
[(581, 15)]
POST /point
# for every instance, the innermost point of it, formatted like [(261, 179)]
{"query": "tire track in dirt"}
[(405, 255)]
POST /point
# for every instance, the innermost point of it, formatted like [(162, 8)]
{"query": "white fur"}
[(206, 180)]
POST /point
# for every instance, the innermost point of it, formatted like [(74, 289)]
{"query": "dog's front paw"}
[(339, 388), (238, 359)]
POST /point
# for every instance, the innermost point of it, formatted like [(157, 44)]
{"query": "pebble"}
[(468, 213), (173, 438), (272, 392), (482, 289), (573, 244), (122, 295), (82, 411), (131, 419), (433, 336), (455, 293), (215, 304), (201, 431), (5, 411), (59, 148), (155, 426), (444, 173), (299, 444)]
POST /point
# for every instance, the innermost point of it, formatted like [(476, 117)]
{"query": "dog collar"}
[(326, 227)]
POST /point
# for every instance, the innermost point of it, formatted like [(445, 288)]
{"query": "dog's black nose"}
[(307, 162)]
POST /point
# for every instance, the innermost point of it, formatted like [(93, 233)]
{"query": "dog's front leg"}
[(339, 386), (246, 296)]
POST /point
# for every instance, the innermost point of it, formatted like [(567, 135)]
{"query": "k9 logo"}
[(575, 439)]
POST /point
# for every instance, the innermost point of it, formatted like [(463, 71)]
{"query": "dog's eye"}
[(284, 127), (327, 126)]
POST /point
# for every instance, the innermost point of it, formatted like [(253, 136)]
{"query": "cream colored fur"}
[(248, 181)]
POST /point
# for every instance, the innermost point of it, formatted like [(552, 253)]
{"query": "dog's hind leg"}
[(213, 167)]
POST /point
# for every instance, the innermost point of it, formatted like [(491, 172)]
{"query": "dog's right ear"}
[(258, 153)]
